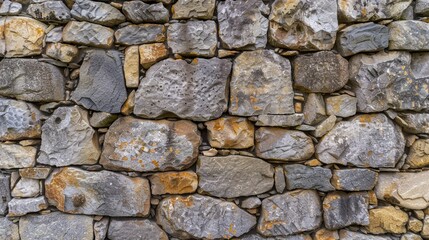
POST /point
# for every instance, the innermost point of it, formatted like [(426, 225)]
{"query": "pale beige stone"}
[(131, 67), (63, 52), (419, 154), (231, 132), (152, 53)]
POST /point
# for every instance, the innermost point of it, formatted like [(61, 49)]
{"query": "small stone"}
[(82, 33), (102, 119), (292, 120), (26, 187), (131, 229), (4, 197), (341, 105), (63, 52), (415, 225), (372, 10), (299, 176), (313, 163), (10, 8), (100, 228), (221, 53), (16, 156), (210, 153), (128, 107), (251, 202), (140, 12), (173, 183), (314, 109), (23, 206), (324, 127), (151, 54), (50, 11), (35, 172), (406, 35), (8, 229), (419, 214), (140, 34), (425, 231), (346, 234), (97, 12), (201, 9), (279, 179), (418, 156), (132, 67), (354, 179), (414, 122), (387, 220), (54, 35), (230, 132)]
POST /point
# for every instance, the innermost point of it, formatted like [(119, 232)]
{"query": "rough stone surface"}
[(83, 33), (35, 172), (234, 176), (341, 106), (4, 196), (261, 83), (26, 187), (409, 35), (102, 119), (251, 202), (97, 12), (131, 229), (347, 234), (280, 120), (422, 7), (10, 8), (354, 179), (387, 220), (314, 109), (369, 140), (100, 228), (16, 156), (230, 132), (371, 10), (8, 229), (131, 66), (414, 122), (299, 176), (279, 179), (324, 127), (77, 191), (419, 154), (50, 11), (23, 206), (198, 216), (173, 182), (202, 9), (140, 12), (140, 34), (151, 54), (196, 91), (55, 35)]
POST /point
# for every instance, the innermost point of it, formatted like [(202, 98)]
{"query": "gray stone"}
[(411, 236), (197, 216), (22, 206), (344, 209), (196, 91), (251, 202), (26, 187), (140, 12), (290, 213), (280, 120), (96, 12), (282, 145), (299, 176), (17, 156), (100, 229), (279, 179), (77, 191), (324, 127), (314, 109), (8, 229), (370, 10), (409, 35), (420, 64), (422, 7), (350, 235), (341, 106), (234, 176), (144, 145), (31, 80), (55, 35), (242, 24), (354, 179), (4, 195), (369, 140), (140, 34), (193, 38), (10, 8), (303, 24), (35, 172), (135, 229), (83, 33), (201, 9), (102, 119), (364, 37), (256, 236), (414, 122), (50, 11), (101, 86), (261, 83), (55, 225), (68, 139)]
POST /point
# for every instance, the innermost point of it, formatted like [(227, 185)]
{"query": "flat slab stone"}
[(77, 191), (4, 195), (413, 122), (97, 12), (372, 10), (140, 12), (131, 229), (291, 120), (8, 229), (354, 179), (234, 176), (196, 91), (173, 182), (230, 132), (35, 172), (50, 11), (201, 9), (10, 8), (409, 35), (16, 156), (140, 34), (299, 176), (22, 206), (82, 33)]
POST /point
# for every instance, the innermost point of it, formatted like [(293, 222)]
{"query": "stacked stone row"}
[(204, 119)]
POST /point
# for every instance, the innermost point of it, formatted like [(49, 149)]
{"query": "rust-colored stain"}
[(366, 118)]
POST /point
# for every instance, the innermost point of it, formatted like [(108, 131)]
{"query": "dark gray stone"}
[(140, 12), (140, 34), (135, 229), (8, 229), (22, 206), (96, 12), (354, 179), (411, 35), (50, 11), (4, 193), (414, 122), (300, 176)]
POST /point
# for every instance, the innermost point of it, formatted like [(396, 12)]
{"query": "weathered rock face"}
[(97, 12), (230, 132), (202, 9), (63, 52), (151, 54), (414, 122), (26, 188), (196, 91), (354, 179), (422, 7), (290, 213), (299, 176), (22, 206), (140, 12), (291, 120), (372, 10), (83, 32), (35, 173), (10, 8), (314, 109), (173, 182), (17, 156), (251, 176), (140, 34), (409, 35), (50, 11), (143, 145), (4, 196), (346, 234), (130, 229), (341, 106), (77, 191), (303, 24), (101, 87), (387, 220), (261, 84), (8, 229), (198, 216), (419, 154), (369, 140)]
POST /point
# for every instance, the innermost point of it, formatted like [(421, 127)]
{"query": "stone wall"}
[(205, 119)]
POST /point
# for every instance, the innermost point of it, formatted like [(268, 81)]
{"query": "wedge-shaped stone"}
[(299, 176), (131, 229), (140, 34), (77, 191), (409, 35), (50, 11), (97, 12), (83, 33), (370, 10), (16, 156), (4, 194), (230, 132), (418, 155), (202, 9)]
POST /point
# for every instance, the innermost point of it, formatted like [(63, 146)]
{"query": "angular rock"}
[(292, 120), (369, 140), (418, 156), (97, 12), (131, 229), (364, 37), (425, 230), (140, 34), (101, 86), (354, 179), (371, 10), (4, 195), (344, 209), (256, 236), (77, 191), (201, 9), (314, 109), (100, 228), (26, 187), (131, 66), (102, 119), (324, 234), (196, 91), (387, 220), (283, 145), (324, 127), (10, 8), (55, 35), (261, 84), (411, 236), (230, 132), (409, 35), (63, 52), (193, 38), (35, 172), (341, 105), (242, 24), (22, 206), (152, 53), (422, 7), (346, 234), (82, 33), (303, 24), (234, 176), (279, 179), (144, 145), (414, 122), (251, 202), (50, 11), (140, 12), (197, 216), (290, 213), (8, 229), (173, 183), (321, 72), (54, 225), (17, 156), (299, 176)]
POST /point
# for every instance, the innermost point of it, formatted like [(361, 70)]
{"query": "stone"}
[(251, 202), (291, 120), (133, 144), (243, 24), (367, 140), (363, 37), (261, 83), (140, 12), (68, 139), (54, 225), (409, 35), (54, 35), (425, 230), (354, 179), (8, 229), (230, 132), (173, 182), (140, 34), (314, 109), (63, 52), (76, 191), (193, 38), (35, 172), (282, 145), (196, 91), (18, 120), (132, 66), (290, 213), (130, 229), (26, 187), (320, 72), (152, 53), (387, 220), (4, 196), (325, 234), (10, 8), (101, 87), (16, 156), (418, 155), (197, 216), (347, 234), (324, 127), (200, 9), (97, 12), (372, 10), (256, 236), (422, 8), (128, 107), (234, 176), (22, 206), (100, 228), (344, 209), (299, 176), (304, 25), (279, 179), (415, 225), (50, 11), (414, 122), (102, 119), (82, 33), (411, 236), (341, 106)]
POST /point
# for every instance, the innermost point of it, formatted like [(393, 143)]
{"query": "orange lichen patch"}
[(324, 234), (366, 118), (54, 189), (152, 53), (268, 225), (174, 182), (231, 229), (187, 201), (155, 163)]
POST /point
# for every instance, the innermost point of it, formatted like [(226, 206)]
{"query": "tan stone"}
[(231, 132), (419, 154), (415, 225), (152, 53), (63, 52), (131, 67), (128, 106), (387, 220), (425, 230), (173, 182), (226, 53), (325, 234), (313, 163)]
